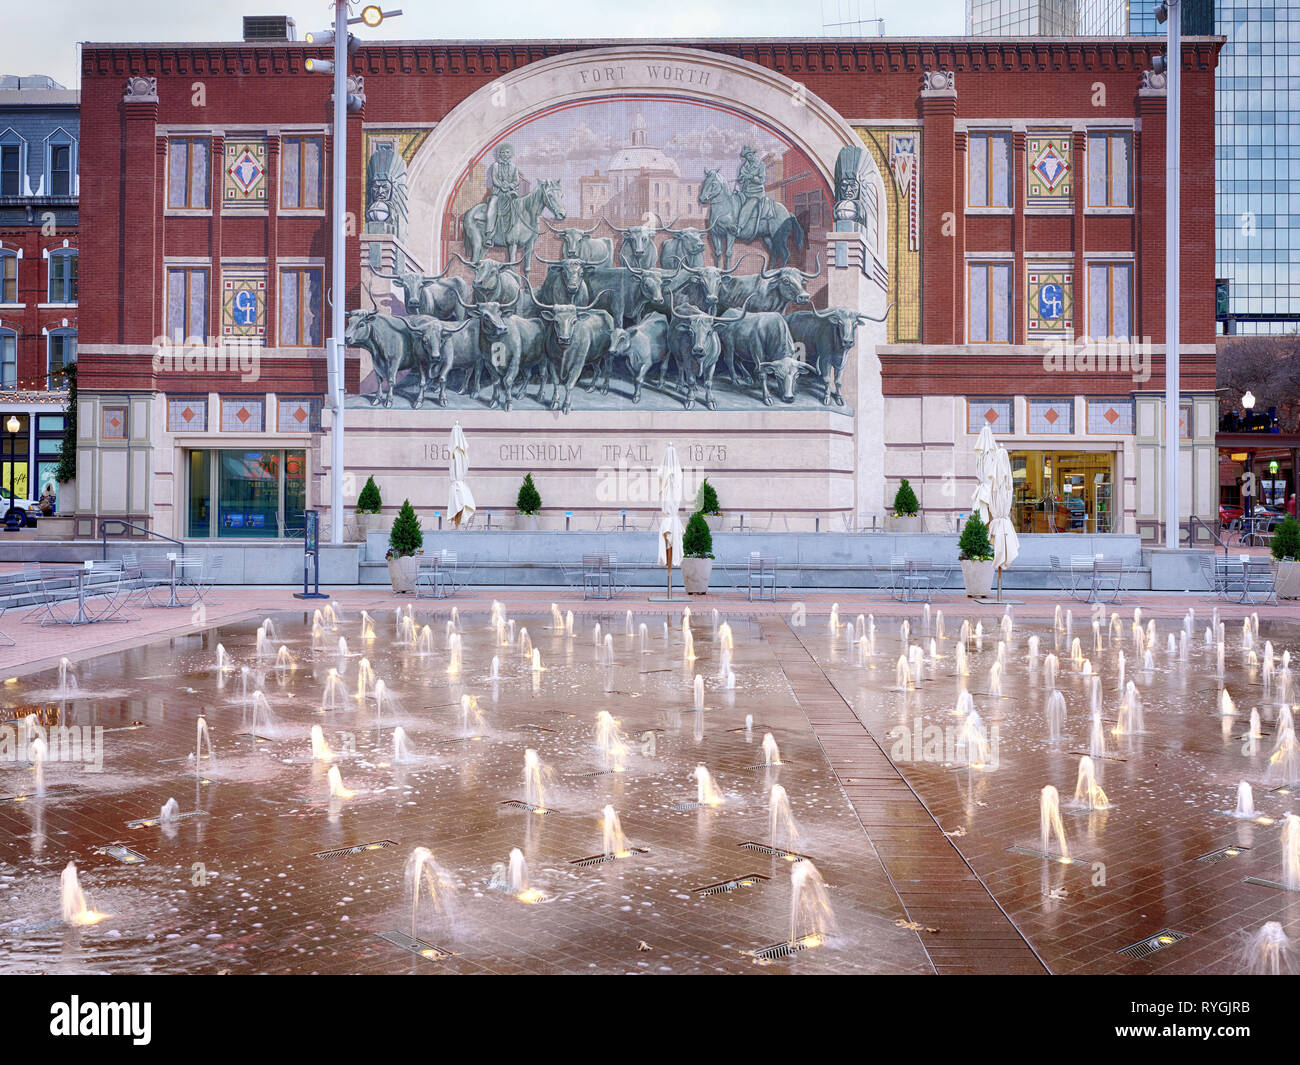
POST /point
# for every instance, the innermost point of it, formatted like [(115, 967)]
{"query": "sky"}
[(41, 35)]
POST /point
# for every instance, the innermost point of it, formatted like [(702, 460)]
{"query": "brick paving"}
[(905, 846)]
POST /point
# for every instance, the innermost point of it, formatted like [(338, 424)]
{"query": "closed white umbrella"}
[(1006, 543), (670, 494), (985, 447), (460, 500)]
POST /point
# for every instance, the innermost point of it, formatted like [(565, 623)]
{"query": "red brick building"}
[(1017, 199)]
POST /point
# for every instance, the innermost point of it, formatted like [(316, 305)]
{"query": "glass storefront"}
[(1062, 491), (246, 494)]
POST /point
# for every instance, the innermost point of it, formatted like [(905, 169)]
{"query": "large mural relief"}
[(637, 252)]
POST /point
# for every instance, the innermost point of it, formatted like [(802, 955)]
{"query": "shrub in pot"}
[(907, 516), (976, 555), (707, 504), (1286, 558), (528, 502), (697, 555), (405, 545), (369, 505)]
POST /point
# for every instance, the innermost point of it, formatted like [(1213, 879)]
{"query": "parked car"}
[(19, 510), (1228, 513)]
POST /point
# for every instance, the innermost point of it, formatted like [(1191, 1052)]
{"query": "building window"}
[(1185, 420), (300, 308), (187, 414), (1110, 300), (63, 275), (1055, 416), (298, 415), (60, 162), (1110, 170), (300, 173), (988, 314), (989, 169), (997, 414), (243, 414), (11, 164), (62, 353), (8, 277), (8, 359), (258, 494), (1113, 415), (187, 303), (49, 446), (112, 423), (188, 172)]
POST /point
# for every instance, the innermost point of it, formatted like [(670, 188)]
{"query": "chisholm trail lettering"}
[(103, 1018)]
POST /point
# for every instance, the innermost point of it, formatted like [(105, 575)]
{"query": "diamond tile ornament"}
[(1050, 162), (1111, 415), (1051, 166), (1051, 415), (991, 416), (245, 173)]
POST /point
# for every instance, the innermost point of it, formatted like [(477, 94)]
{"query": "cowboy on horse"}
[(503, 181), (751, 186)]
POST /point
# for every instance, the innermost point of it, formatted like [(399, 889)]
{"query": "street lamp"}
[(1170, 12), (1248, 400), (336, 347), (13, 425)]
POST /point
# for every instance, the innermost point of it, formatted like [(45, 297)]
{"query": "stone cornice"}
[(794, 57)]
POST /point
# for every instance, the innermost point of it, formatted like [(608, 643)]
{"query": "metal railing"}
[(103, 531), (1194, 521)]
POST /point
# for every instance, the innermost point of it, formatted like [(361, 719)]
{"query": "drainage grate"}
[(127, 728), (768, 765), (1267, 883), (151, 822), (1146, 947), (1031, 853), (776, 852), (601, 859), (1107, 758), (780, 951), (519, 804), (26, 796), (122, 853), (755, 727), (597, 773), (747, 880), (1221, 855), (536, 728), (343, 852), (424, 950)]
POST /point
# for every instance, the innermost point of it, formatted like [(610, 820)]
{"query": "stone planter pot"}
[(402, 572), (906, 523), (714, 522), (54, 528), (370, 521), (978, 577), (695, 575), (527, 522), (1286, 578)]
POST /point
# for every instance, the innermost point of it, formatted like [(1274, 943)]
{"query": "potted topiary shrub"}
[(907, 516), (976, 555), (707, 504), (529, 502), (369, 505), (405, 545), (697, 555), (1286, 553)]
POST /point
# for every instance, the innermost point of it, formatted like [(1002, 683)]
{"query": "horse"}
[(523, 232), (775, 229)]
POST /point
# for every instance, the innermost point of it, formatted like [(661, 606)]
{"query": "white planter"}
[(714, 522), (1286, 578), (526, 522), (695, 575), (402, 573), (978, 577), (906, 523)]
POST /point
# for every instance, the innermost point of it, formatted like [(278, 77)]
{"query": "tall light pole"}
[(336, 345), (1170, 12)]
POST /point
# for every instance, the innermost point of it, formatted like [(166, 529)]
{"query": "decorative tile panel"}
[(243, 414), (997, 414), (112, 423), (1050, 159), (298, 414), (187, 414), (1051, 303), (1054, 416), (1114, 415), (243, 305), (244, 183)]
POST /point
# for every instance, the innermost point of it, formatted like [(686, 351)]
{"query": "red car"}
[(1228, 513)]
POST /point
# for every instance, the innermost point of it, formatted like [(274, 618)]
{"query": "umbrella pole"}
[(668, 553), (999, 584)]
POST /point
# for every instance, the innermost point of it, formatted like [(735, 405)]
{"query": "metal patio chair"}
[(1257, 585), (762, 575), (1107, 575)]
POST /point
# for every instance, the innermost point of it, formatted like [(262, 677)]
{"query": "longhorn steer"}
[(694, 343), (642, 345), (638, 245), (566, 281), (576, 243), (684, 248), (434, 296), (498, 282), (628, 292), (767, 290), (763, 339), (397, 344), (828, 336), (576, 335)]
